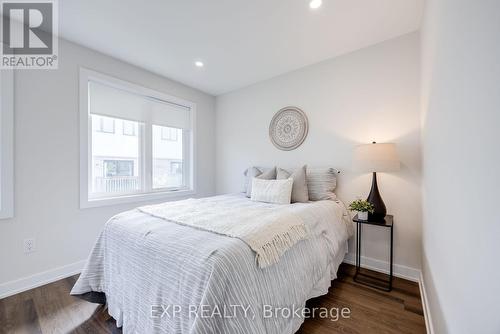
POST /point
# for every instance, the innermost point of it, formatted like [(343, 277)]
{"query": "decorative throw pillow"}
[(321, 183), (250, 173), (299, 189), (272, 191), (266, 175)]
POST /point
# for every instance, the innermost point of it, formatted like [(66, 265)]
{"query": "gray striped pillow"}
[(321, 183)]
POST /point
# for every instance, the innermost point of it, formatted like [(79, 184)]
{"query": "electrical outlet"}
[(29, 245)]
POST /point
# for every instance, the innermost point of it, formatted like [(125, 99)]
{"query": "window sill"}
[(86, 203)]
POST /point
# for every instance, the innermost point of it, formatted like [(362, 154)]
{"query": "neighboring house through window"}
[(176, 167), (113, 168), (106, 125), (129, 128), (169, 134)]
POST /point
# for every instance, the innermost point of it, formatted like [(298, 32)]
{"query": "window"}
[(165, 153), (113, 168), (129, 128), (136, 143), (169, 134), (176, 167), (6, 144), (115, 159), (105, 125)]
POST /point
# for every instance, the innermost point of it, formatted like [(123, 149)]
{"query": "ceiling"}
[(241, 42)]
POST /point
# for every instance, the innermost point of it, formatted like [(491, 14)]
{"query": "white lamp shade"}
[(376, 158)]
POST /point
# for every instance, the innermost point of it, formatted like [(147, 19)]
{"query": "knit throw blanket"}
[(269, 230)]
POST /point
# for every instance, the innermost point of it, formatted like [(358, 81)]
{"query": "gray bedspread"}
[(162, 277)]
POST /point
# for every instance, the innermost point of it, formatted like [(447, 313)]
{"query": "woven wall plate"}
[(288, 128)]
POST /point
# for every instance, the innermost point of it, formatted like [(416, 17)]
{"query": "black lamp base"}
[(374, 198)]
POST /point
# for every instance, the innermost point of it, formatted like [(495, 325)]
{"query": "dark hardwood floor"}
[(372, 311), (50, 309)]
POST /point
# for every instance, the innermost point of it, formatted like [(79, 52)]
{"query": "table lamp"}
[(375, 158)]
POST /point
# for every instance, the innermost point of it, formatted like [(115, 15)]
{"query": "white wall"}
[(370, 94), (461, 178), (47, 163)]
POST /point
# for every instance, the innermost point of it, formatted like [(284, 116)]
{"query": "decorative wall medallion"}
[(288, 128)]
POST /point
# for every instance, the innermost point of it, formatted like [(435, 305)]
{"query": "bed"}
[(159, 276)]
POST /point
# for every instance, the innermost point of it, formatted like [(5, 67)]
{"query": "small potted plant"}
[(362, 207)]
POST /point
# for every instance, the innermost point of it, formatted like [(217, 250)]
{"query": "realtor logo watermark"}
[(29, 34), (246, 311)]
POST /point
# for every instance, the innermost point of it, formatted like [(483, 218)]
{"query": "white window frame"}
[(87, 75), (7, 144)]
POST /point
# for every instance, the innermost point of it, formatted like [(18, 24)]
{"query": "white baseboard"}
[(26, 283), (401, 271), (425, 306)]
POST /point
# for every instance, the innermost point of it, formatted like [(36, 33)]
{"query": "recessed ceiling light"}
[(315, 4), (199, 63)]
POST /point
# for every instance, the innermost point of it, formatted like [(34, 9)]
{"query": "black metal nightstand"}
[(388, 222)]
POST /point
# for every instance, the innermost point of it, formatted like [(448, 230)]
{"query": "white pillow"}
[(252, 172), (269, 174), (272, 191)]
